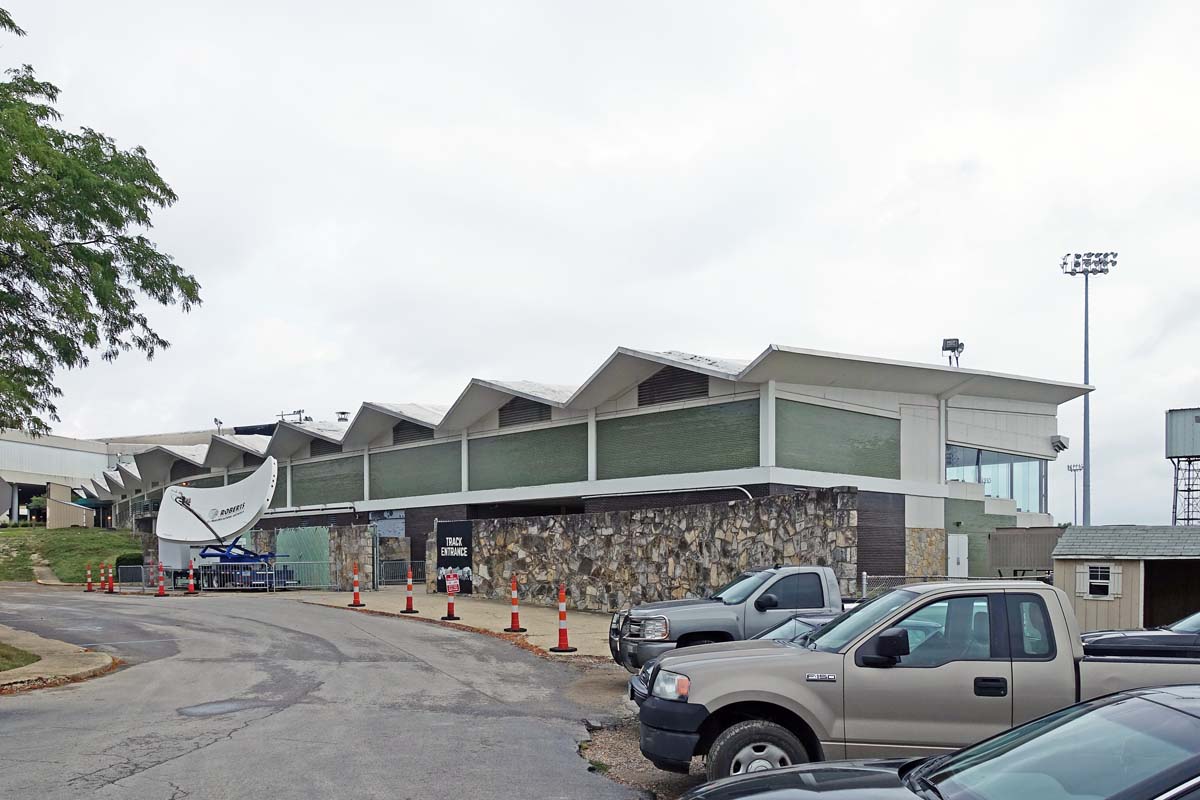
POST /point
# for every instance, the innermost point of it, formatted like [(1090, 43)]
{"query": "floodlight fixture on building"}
[(953, 348), (342, 416), (218, 423)]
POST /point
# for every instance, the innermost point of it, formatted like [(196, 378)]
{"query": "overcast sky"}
[(382, 200)]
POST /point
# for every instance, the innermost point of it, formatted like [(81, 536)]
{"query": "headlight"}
[(655, 628), (671, 686)]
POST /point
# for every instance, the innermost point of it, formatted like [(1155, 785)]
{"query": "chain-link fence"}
[(395, 573), (873, 585)]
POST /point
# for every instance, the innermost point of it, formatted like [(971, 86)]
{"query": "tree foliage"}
[(74, 258)]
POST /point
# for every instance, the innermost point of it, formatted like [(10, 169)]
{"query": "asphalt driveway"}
[(260, 695)]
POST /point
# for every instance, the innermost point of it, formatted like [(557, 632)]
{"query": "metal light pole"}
[(1075, 470), (1087, 265)]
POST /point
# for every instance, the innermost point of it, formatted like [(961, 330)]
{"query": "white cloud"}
[(383, 200)]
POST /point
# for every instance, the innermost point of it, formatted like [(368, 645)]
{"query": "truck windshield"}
[(741, 587), (842, 630), (1186, 625)]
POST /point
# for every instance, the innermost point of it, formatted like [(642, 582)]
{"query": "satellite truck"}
[(205, 527)]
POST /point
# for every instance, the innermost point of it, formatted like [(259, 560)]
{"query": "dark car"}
[(1137, 745), (789, 630), (1178, 640)]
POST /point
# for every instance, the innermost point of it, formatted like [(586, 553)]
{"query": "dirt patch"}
[(613, 751)]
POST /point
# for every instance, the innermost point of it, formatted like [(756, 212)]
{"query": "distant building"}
[(941, 456)]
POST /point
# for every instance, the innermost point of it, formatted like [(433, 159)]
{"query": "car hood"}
[(692, 658), (843, 780), (652, 609), (720, 647)]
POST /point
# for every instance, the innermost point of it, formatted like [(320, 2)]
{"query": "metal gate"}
[(395, 573)]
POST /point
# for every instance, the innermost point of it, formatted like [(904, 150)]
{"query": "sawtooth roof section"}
[(291, 436), (113, 478), (372, 419), (1129, 541), (628, 366), (224, 448), (820, 368), (484, 396)]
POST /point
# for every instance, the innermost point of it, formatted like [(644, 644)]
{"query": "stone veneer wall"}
[(924, 552), (613, 559)]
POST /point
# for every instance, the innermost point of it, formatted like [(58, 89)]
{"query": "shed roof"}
[(1129, 541)]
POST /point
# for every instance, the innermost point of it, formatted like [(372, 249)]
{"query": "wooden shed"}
[(1129, 576)]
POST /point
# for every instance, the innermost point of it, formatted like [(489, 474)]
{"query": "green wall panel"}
[(966, 516), (415, 471), (279, 498), (207, 483), (832, 440), (338, 480), (234, 477), (699, 439), (530, 458)]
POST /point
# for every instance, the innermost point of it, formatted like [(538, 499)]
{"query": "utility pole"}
[(1087, 264), (1075, 470)]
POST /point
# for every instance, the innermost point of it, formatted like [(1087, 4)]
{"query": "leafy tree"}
[(74, 260), (37, 503)]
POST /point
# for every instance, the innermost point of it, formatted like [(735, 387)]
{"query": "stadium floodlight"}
[(953, 348), (1087, 264), (1075, 470), (218, 423)]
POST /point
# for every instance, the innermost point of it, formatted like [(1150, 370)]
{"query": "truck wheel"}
[(753, 746)]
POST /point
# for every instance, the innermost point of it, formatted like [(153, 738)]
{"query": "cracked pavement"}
[(241, 694)]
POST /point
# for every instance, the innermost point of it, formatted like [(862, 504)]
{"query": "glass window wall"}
[(1019, 478)]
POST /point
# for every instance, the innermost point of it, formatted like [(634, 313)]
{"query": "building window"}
[(520, 411), (670, 384), (1003, 475), (320, 447), (404, 432), (1098, 581)]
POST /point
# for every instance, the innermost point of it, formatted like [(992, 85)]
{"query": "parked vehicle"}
[(1179, 639), (752, 602), (991, 655), (1137, 745), (790, 630)]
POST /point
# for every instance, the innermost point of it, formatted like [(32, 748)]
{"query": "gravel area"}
[(614, 752)]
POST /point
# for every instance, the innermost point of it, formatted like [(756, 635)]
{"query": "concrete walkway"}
[(60, 662), (586, 630)]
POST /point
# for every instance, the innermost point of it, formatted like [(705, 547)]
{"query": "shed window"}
[(520, 411), (320, 447), (670, 384), (1098, 581), (404, 432)]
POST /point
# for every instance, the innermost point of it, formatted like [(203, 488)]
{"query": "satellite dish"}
[(218, 514)]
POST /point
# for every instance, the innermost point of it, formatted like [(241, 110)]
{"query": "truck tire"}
[(755, 745)]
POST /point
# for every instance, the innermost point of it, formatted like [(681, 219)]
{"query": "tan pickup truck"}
[(921, 670)]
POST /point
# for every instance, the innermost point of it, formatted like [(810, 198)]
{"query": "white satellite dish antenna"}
[(219, 514)]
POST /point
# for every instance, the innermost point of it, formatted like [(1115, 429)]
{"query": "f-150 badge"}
[(821, 677)]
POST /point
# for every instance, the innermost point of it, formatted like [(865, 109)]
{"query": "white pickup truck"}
[(918, 671)]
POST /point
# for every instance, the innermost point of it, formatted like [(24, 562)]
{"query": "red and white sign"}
[(451, 583)]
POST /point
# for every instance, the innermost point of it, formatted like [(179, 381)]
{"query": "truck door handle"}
[(991, 687)]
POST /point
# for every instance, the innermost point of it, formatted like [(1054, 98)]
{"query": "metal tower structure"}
[(1183, 451), (1185, 508)]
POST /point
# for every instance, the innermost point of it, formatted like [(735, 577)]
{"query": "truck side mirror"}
[(766, 601), (893, 643)]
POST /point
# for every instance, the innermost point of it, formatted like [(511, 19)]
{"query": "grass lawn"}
[(67, 550), (11, 657)]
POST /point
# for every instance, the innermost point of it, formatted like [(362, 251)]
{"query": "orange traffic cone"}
[(358, 603), (515, 624), (563, 646), (408, 599)]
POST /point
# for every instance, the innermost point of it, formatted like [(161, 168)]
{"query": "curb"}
[(32, 684), (515, 639)]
